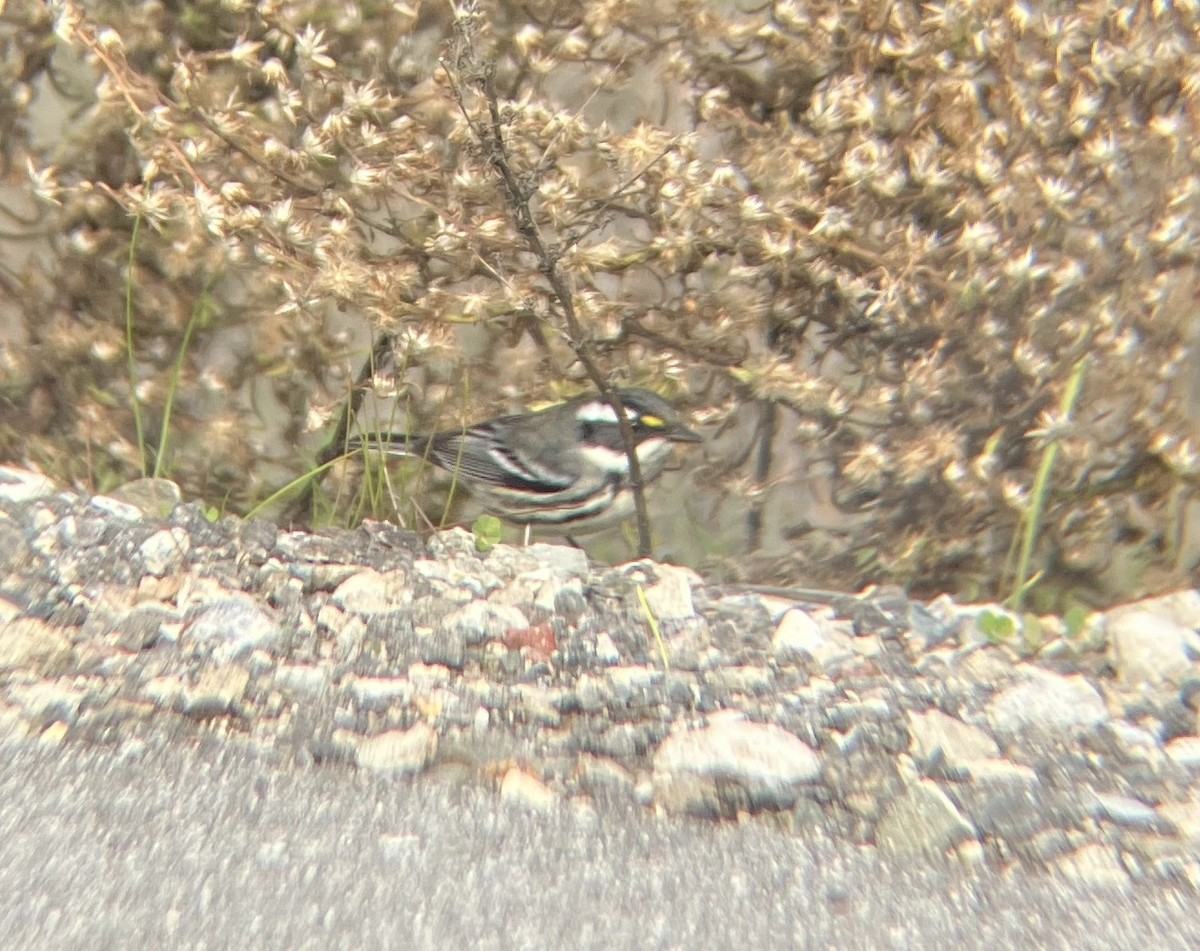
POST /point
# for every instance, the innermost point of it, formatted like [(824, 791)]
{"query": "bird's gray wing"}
[(494, 454)]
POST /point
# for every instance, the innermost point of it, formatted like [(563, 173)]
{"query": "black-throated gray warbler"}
[(565, 465)]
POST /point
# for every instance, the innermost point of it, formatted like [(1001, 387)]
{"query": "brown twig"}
[(490, 135)]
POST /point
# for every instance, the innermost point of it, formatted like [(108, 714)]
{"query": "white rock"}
[(116, 508), (1149, 648), (670, 597), (372, 592), (959, 742), (1185, 752), (519, 788), (799, 634), (923, 820), (764, 758), (164, 551), (398, 752), (1046, 701)]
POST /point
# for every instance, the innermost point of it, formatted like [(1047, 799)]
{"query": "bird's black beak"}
[(680, 433)]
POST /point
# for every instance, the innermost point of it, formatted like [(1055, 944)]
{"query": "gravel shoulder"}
[(526, 689)]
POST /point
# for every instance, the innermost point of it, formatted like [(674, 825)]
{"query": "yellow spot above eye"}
[(654, 422)]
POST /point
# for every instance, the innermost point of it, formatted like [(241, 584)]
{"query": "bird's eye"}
[(652, 422)]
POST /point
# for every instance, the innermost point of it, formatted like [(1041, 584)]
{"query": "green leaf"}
[(996, 627), (1075, 619), (487, 529)]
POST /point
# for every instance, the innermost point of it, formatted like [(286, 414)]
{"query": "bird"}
[(561, 466)]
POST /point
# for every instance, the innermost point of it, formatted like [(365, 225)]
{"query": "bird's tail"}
[(394, 444)]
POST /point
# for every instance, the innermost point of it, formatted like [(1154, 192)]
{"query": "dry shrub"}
[(866, 241)]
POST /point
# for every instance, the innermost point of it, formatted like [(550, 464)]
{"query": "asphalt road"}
[(190, 849)]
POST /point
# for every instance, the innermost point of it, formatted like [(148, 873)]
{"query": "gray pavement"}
[(180, 848)]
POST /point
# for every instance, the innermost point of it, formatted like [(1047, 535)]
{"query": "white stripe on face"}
[(605, 459), (651, 453), (597, 412), (653, 447)]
